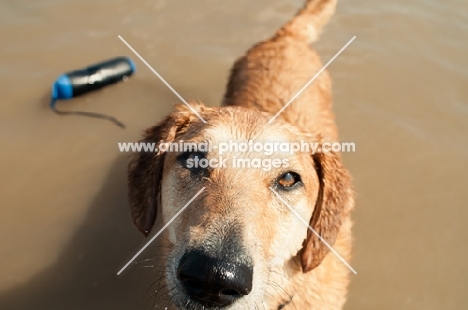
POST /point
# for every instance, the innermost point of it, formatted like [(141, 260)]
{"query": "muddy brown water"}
[(400, 93)]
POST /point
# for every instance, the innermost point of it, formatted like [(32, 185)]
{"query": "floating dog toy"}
[(79, 82)]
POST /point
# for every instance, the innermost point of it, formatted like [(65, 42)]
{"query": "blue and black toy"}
[(78, 82)]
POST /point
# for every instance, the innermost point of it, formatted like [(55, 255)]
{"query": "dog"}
[(237, 245)]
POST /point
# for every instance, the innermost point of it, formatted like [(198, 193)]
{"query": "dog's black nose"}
[(214, 281)]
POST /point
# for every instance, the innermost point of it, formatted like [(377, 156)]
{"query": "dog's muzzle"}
[(214, 282)]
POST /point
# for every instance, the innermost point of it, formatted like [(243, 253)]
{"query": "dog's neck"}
[(330, 279)]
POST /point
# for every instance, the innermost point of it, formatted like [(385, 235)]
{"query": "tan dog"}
[(237, 245)]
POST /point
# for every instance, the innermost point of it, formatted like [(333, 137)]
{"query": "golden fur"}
[(292, 268)]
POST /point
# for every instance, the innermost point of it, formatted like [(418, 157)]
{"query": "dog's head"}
[(230, 238)]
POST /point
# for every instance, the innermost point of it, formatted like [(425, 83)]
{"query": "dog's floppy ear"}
[(334, 202), (145, 169)]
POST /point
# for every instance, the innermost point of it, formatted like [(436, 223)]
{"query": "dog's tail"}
[(309, 21)]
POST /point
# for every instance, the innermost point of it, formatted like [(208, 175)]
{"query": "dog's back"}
[(272, 72)]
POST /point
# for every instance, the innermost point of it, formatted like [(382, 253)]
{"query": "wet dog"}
[(238, 244)]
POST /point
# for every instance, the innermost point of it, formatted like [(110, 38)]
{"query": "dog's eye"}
[(192, 160), (288, 180)]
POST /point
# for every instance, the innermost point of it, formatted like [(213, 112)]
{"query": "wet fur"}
[(293, 269)]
